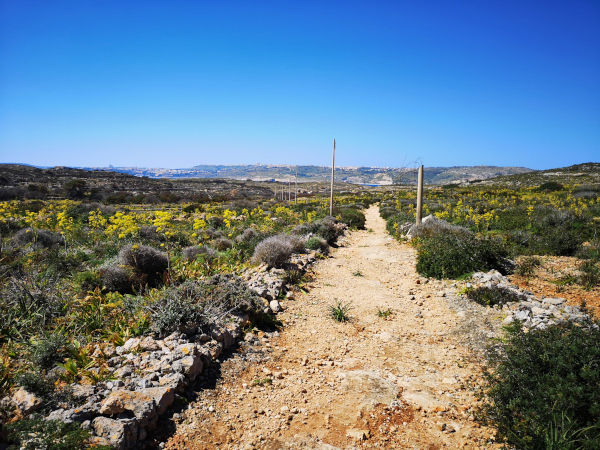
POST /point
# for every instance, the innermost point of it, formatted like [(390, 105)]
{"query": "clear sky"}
[(184, 82)]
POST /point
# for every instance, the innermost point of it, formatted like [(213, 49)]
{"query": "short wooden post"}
[(420, 196), (332, 177)]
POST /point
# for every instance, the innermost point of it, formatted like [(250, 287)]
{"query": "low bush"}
[(318, 243), (116, 278), (195, 303), (46, 351), (40, 238), (146, 260), (590, 274), (173, 309), (212, 233), (550, 186), (273, 251), (303, 229), (297, 243), (353, 218), (246, 236), (541, 387), (149, 233), (222, 244), (31, 300), (37, 433), (433, 226), (559, 241), (327, 230), (449, 255), (224, 293), (216, 221), (492, 296), (88, 281), (192, 253)]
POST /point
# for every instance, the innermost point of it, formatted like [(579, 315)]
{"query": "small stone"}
[(358, 434), (26, 401)]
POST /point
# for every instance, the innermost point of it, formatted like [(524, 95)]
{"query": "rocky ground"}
[(551, 279), (399, 374)]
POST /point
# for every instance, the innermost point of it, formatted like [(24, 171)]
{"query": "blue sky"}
[(180, 83)]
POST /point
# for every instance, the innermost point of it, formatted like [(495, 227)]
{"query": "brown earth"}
[(402, 381), (556, 277)]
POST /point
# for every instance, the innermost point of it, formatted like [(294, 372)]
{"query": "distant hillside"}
[(578, 174), (354, 175), (21, 181)]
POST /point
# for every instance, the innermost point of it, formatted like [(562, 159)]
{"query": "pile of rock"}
[(148, 375), (268, 282), (534, 312)]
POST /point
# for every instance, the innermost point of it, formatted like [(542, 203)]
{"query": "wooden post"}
[(289, 191), (332, 178), (296, 188), (420, 196)]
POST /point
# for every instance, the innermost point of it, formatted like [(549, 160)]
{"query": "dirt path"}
[(396, 382)]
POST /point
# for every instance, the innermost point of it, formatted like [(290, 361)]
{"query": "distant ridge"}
[(308, 173)]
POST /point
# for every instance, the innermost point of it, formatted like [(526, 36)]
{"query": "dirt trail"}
[(396, 382)]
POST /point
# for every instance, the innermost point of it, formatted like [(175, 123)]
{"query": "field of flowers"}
[(550, 219), (78, 275)]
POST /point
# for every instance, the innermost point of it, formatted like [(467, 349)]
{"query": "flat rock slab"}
[(368, 388)]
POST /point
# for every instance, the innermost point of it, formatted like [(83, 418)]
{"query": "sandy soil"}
[(402, 381)]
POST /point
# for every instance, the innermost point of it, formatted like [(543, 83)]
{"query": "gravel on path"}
[(400, 374)]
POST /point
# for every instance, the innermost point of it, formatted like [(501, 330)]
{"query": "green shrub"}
[(539, 378), (88, 281), (37, 433), (451, 255), (173, 309), (327, 230), (550, 186), (46, 351), (433, 226), (590, 274), (317, 243), (492, 296), (353, 218), (559, 241)]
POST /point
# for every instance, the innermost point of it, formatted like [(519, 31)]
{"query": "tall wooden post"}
[(332, 177), (420, 196), (296, 188), (289, 191)]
